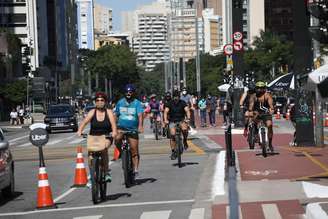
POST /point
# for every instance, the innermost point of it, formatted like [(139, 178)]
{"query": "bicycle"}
[(263, 133), (97, 175), (251, 134), (156, 123), (178, 142), (126, 158)]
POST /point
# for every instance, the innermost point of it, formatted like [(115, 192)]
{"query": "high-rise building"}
[(103, 19), (279, 17), (150, 35), (85, 24), (213, 35)]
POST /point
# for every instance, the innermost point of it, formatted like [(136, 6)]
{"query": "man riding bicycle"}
[(129, 113), (260, 105), (244, 104), (177, 111), (102, 122)]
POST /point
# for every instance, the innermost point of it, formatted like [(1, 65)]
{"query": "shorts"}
[(264, 117), (172, 124), (133, 136)]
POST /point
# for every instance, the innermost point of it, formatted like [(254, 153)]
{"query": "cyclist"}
[(244, 104), (166, 100), (102, 122), (129, 113), (259, 104), (154, 109), (177, 111)]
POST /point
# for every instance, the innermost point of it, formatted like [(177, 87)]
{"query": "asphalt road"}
[(163, 190)]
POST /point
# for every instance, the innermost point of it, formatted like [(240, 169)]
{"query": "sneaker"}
[(173, 155), (185, 144), (108, 177)]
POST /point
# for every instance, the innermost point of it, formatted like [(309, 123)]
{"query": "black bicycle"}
[(178, 142), (251, 134), (97, 175), (156, 123), (126, 158)]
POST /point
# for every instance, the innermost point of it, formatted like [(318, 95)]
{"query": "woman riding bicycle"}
[(261, 104), (102, 122)]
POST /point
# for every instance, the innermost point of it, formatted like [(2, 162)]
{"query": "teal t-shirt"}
[(127, 114)]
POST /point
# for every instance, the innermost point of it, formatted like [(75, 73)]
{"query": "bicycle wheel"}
[(263, 143), (156, 130), (251, 137), (103, 184), (178, 148), (94, 171), (126, 165)]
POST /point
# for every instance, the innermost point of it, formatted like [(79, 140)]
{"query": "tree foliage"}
[(153, 81), (14, 91), (269, 51), (114, 62)]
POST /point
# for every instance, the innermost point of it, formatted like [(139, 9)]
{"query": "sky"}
[(119, 6)]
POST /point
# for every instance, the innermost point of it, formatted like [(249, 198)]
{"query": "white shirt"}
[(13, 115)]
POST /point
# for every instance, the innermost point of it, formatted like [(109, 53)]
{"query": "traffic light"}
[(319, 10)]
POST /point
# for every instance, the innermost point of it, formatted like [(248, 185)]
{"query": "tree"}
[(153, 81), (268, 52), (14, 91)]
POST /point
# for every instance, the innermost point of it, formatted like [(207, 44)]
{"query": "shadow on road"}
[(15, 196), (183, 164), (144, 180), (117, 196)]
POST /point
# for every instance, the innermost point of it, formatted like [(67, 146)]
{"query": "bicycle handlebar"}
[(84, 135), (126, 132)]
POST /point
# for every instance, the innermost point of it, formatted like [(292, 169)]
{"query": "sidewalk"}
[(7, 125)]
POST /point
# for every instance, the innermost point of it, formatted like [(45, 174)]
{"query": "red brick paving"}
[(290, 209), (240, 142)]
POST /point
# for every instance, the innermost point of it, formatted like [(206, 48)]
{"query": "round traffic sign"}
[(228, 49), (238, 45), (237, 36), (39, 137)]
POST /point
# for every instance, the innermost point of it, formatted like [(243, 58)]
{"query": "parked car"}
[(280, 102), (7, 176), (61, 117)]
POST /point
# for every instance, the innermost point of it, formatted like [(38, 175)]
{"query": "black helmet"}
[(176, 93), (168, 94)]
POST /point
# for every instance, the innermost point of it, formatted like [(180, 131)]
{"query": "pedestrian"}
[(13, 117), (202, 108), (211, 108), (187, 98), (21, 115)]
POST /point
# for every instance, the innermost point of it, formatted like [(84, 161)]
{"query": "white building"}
[(85, 24), (213, 35), (103, 19), (149, 34)]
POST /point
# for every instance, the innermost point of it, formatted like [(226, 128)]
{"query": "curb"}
[(315, 211)]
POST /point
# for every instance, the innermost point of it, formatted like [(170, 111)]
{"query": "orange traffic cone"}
[(116, 154), (44, 199), (326, 120), (278, 114), (80, 171), (288, 114)]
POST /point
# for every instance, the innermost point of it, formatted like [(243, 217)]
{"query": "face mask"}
[(184, 92)]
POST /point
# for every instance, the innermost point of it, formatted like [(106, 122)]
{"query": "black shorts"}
[(134, 135), (264, 118)]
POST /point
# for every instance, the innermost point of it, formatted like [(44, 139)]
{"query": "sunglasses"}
[(129, 92), (100, 100)]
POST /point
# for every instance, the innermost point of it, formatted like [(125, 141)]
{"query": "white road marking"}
[(24, 145), (197, 213), (219, 175), (155, 214), (271, 211), (313, 190), (16, 139), (314, 210), (89, 217), (54, 142), (76, 141), (64, 194), (98, 206)]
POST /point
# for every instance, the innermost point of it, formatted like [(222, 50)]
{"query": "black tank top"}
[(258, 105), (100, 127)]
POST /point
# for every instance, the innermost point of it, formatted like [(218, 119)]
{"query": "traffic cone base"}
[(44, 196), (80, 179)]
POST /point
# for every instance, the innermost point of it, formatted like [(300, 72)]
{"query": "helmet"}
[(251, 86), (100, 95), (130, 87), (168, 94), (260, 84), (153, 95), (176, 93)]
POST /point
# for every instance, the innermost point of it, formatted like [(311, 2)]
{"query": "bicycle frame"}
[(262, 128), (127, 164)]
